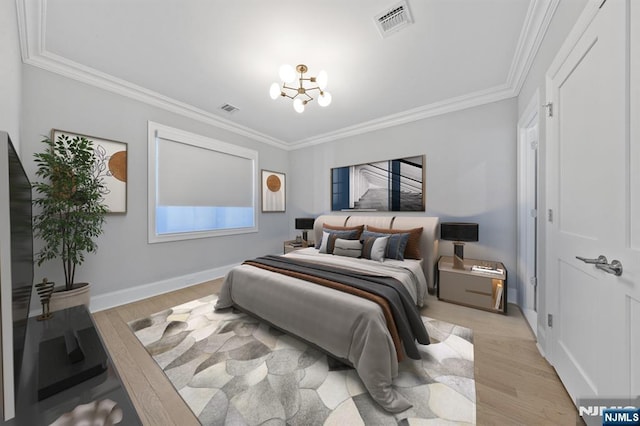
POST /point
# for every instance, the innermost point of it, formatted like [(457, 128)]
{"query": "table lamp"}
[(304, 224), (459, 233)]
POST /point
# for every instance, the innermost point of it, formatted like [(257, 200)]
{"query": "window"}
[(198, 186)]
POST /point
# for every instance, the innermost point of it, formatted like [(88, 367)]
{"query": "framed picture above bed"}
[(273, 192), (392, 185)]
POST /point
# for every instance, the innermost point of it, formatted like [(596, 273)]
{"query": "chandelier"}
[(300, 93)]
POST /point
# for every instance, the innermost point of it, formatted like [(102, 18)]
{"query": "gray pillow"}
[(348, 248), (374, 247)]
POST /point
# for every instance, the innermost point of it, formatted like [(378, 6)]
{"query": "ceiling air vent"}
[(229, 108), (393, 19)]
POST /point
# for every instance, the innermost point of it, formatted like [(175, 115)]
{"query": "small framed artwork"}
[(273, 191), (111, 168)]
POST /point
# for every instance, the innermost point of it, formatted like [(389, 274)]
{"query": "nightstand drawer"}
[(467, 289)]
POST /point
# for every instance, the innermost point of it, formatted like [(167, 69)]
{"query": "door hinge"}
[(549, 107), (533, 281), (533, 213), (550, 215), (550, 320)]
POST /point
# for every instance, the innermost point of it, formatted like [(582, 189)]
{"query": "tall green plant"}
[(72, 210)]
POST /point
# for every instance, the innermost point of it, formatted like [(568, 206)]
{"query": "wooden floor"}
[(514, 383)]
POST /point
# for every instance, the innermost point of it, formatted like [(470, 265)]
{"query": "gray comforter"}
[(347, 326)]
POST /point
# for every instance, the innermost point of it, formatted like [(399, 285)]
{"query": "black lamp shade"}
[(304, 222), (459, 231)]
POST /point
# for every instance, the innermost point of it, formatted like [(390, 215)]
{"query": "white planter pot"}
[(68, 298)]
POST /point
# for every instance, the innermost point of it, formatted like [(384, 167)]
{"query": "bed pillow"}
[(395, 245), (412, 250), (374, 248), (329, 237), (348, 248), (327, 227)]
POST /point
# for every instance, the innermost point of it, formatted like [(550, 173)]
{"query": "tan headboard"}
[(428, 241)]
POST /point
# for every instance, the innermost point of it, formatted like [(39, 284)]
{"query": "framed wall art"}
[(391, 185), (110, 167), (273, 192)]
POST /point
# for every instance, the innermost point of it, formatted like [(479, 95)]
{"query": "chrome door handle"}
[(615, 267), (601, 260)]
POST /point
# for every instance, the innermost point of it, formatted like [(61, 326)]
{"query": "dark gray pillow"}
[(395, 246), (326, 244)]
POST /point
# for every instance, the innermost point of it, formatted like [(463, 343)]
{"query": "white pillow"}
[(325, 240), (348, 248)]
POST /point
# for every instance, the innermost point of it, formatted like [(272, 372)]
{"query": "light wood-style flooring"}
[(515, 385)]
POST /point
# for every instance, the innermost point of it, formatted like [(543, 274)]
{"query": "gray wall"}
[(124, 258), (471, 172), (564, 19), (10, 72)]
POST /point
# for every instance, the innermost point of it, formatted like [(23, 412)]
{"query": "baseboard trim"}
[(541, 350), (542, 343), (121, 297), (101, 302), (512, 295)]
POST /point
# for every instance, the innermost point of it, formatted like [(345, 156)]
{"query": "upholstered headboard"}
[(428, 240)]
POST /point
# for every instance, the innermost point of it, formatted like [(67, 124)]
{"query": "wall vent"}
[(394, 19), (229, 108)]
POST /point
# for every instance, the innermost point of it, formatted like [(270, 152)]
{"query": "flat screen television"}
[(16, 267)]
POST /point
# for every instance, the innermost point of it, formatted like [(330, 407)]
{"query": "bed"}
[(350, 328)]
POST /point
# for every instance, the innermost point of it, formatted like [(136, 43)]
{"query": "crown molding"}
[(73, 70), (446, 106), (536, 24), (31, 26)]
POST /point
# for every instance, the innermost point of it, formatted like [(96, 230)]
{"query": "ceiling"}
[(192, 57)]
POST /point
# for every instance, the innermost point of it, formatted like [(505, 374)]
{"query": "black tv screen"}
[(21, 253)]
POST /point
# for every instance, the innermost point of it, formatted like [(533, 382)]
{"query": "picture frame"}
[(111, 167), (390, 185), (273, 191)]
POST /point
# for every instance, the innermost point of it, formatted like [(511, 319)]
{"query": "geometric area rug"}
[(232, 369)]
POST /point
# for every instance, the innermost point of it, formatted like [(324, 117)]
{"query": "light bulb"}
[(322, 79), (324, 99), (298, 105), (274, 91), (287, 73)]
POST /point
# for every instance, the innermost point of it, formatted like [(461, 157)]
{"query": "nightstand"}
[(291, 245), (477, 289)]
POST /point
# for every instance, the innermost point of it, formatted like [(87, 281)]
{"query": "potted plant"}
[(71, 211)]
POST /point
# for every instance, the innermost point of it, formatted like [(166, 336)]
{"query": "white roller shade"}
[(190, 175), (198, 186)]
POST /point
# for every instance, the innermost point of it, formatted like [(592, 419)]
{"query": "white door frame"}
[(527, 201)]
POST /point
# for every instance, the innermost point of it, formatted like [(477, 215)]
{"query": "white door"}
[(594, 208)]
